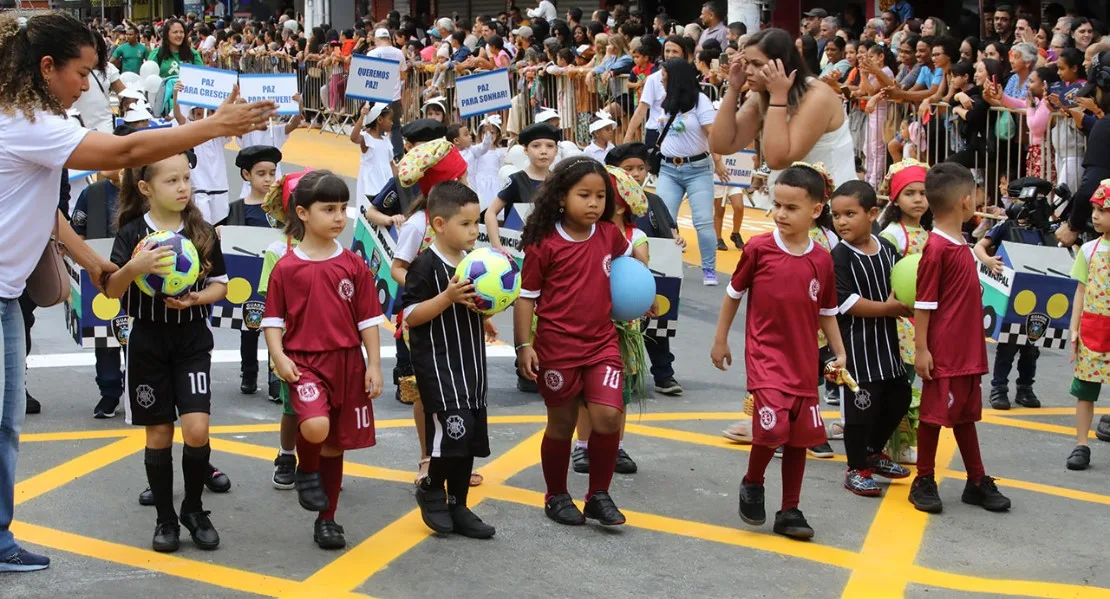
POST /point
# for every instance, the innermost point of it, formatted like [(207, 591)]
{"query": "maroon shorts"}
[(597, 383), (952, 400), (782, 419), (332, 385)]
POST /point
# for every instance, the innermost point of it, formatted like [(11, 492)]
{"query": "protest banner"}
[(278, 88), (482, 93), (739, 167), (203, 87), (373, 79)]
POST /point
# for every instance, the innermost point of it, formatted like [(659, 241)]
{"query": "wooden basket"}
[(410, 394)]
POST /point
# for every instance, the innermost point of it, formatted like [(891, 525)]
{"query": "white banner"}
[(204, 87), (278, 88), (482, 93), (739, 167), (373, 79)]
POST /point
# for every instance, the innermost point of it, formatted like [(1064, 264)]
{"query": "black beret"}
[(252, 155), (623, 152), (532, 133), (422, 130)]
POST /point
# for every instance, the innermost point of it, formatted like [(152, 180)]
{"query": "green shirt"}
[(1081, 269), (130, 57), (270, 258), (170, 67)]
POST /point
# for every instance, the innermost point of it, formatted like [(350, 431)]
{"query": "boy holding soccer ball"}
[(449, 360)]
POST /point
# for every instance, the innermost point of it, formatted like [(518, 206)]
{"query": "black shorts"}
[(168, 371), (864, 407), (457, 434)]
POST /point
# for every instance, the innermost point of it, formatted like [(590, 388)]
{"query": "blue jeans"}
[(12, 412), (693, 180)]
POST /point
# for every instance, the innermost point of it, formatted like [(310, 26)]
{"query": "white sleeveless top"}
[(833, 149)]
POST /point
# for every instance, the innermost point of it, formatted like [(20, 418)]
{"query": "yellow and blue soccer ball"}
[(496, 279), (185, 265)]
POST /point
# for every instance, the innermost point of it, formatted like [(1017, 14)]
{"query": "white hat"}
[(438, 101), (136, 114), (603, 121), (444, 51), (132, 92), (546, 114), (493, 119), (383, 33), (376, 110)]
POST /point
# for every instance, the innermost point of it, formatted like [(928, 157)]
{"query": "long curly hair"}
[(549, 197), (184, 51), (22, 48), (133, 205)]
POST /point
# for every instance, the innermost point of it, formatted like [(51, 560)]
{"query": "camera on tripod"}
[(1031, 211)]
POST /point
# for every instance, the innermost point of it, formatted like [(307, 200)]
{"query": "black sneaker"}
[(433, 508), (526, 386), (751, 504), (1000, 398), (1102, 431), (146, 498), (600, 507), (669, 387), (792, 523), (924, 495), (328, 535), (625, 465), (721, 247), (248, 384), (823, 451), (310, 494), (285, 470), (832, 396), (737, 240), (105, 408), (985, 493), (561, 509), (274, 391), (24, 561), (580, 460), (201, 529), (1080, 458), (1026, 398), (217, 481), (881, 464), (33, 405), (167, 537), (468, 524)]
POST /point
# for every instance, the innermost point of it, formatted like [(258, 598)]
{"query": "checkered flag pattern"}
[(227, 317), (1015, 332), (657, 327), (98, 337)]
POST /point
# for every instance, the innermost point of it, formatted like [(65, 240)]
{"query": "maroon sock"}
[(603, 460), (308, 455), (331, 478), (927, 437), (757, 463), (967, 439), (555, 459), (793, 469)]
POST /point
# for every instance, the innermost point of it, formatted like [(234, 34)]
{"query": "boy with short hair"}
[(948, 309), (449, 359)]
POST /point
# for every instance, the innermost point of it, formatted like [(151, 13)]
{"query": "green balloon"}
[(903, 279)]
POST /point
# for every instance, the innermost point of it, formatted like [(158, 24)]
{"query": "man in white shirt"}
[(546, 11), (384, 48)]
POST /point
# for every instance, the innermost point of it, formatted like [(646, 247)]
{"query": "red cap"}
[(902, 178)]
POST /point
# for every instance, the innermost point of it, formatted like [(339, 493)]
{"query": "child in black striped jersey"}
[(868, 324)]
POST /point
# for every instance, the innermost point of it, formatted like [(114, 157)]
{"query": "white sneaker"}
[(908, 455), (836, 431)]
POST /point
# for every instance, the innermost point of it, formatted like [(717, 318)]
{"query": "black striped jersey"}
[(871, 344), (144, 307)]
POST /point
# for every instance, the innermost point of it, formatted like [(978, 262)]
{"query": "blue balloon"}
[(632, 287)]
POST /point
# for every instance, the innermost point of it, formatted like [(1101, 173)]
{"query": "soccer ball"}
[(495, 276), (185, 264)]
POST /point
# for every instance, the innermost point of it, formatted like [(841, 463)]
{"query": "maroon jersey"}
[(948, 285), (787, 295), (322, 304), (570, 282)]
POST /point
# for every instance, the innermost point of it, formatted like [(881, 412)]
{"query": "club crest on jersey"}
[(814, 289), (252, 314), (346, 289), (144, 395), (553, 379), (308, 392), (607, 264), (456, 428), (863, 399), (767, 418)]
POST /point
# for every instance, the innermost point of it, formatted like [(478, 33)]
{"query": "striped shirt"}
[(871, 344)]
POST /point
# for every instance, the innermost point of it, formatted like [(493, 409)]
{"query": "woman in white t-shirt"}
[(45, 63), (687, 166), (651, 97), (95, 104)]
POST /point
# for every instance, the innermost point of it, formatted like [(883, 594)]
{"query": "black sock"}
[(855, 445), (194, 469), (458, 480), (438, 469), (893, 408), (159, 475)]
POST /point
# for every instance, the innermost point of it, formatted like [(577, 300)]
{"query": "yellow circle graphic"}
[(1057, 305), (1025, 302), (238, 290), (664, 304), (104, 307)]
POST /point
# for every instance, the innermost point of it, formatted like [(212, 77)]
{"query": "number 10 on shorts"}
[(362, 417), (612, 378), (815, 411)]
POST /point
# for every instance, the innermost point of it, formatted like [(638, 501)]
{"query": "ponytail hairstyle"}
[(816, 182), (550, 196), (23, 46), (133, 205), (314, 187)]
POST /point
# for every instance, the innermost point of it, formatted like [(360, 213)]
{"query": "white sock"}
[(581, 444), (286, 451), (620, 445)]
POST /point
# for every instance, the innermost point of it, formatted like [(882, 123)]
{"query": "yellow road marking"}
[(894, 538), (701, 439), (1022, 412), (71, 470), (76, 435), (1043, 427)]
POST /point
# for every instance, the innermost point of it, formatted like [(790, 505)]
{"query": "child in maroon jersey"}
[(324, 298), (783, 272), (950, 364), (569, 243)]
